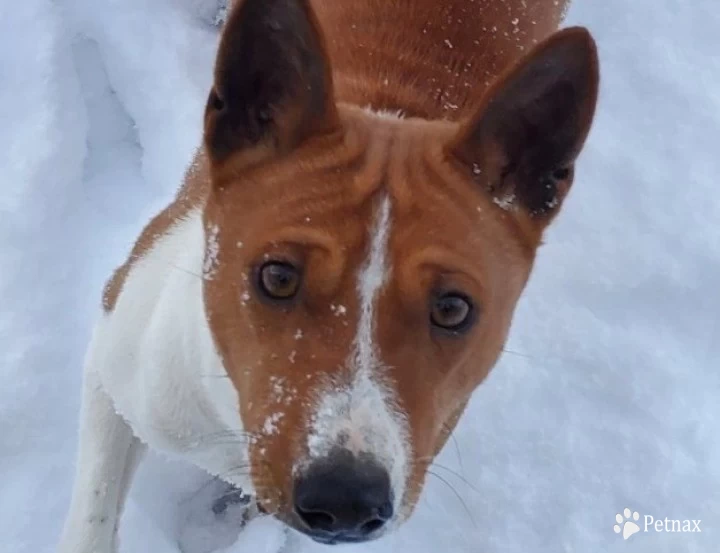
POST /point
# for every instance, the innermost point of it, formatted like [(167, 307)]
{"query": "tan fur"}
[(429, 58), (312, 204), (323, 226), (436, 66)]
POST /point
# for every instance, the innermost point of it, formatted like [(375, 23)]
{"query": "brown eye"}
[(452, 312), (279, 281)]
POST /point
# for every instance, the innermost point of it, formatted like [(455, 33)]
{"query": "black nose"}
[(344, 498)]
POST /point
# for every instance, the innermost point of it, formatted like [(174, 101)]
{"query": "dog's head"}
[(363, 268)]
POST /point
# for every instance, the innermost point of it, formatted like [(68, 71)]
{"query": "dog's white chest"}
[(157, 360)]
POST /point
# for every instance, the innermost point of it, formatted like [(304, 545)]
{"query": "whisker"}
[(451, 434), (227, 434), (220, 443), (525, 355), (457, 494), (553, 356), (235, 471), (171, 265), (225, 437), (458, 475), (238, 470), (458, 453), (183, 270)]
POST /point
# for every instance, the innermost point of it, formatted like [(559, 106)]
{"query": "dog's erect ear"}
[(532, 124), (273, 85)]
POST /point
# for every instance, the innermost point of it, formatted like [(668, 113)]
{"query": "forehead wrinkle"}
[(431, 193), (369, 179), (447, 261), (451, 191), (413, 180), (345, 186), (309, 173)]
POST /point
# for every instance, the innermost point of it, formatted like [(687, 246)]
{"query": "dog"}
[(308, 318)]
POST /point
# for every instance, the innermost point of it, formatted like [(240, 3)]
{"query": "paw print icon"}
[(627, 523)]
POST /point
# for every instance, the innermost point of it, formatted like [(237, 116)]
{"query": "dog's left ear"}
[(532, 124), (273, 85)]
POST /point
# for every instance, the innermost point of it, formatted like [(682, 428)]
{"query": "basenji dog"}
[(309, 317)]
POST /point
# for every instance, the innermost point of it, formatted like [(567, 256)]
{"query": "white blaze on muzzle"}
[(362, 415)]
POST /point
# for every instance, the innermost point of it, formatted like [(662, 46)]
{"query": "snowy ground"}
[(610, 399)]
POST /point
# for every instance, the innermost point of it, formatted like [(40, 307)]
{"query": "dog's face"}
[(362, 270)]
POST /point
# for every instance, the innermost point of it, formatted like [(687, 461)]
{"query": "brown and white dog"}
[(309, 317)]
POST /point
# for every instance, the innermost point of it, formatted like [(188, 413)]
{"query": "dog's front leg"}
[(107, 457)]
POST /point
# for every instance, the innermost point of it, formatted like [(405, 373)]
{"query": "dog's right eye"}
[(279, 280), (452, 312)]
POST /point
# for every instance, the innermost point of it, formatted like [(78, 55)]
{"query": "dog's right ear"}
[(273, 84), (523, 141)]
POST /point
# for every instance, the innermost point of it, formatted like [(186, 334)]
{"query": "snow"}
[(606, 399), (506, 202), (338, 310), (212, 250), (271, 422)]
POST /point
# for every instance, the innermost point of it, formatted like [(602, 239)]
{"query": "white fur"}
[(370, 284), (391, 115), (362, 415), (108, 456), (153, 361)]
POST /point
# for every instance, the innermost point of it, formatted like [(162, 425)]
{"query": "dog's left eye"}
[(452, 312), (279, 280)]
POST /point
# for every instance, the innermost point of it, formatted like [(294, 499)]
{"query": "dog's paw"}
[(212, 518)]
